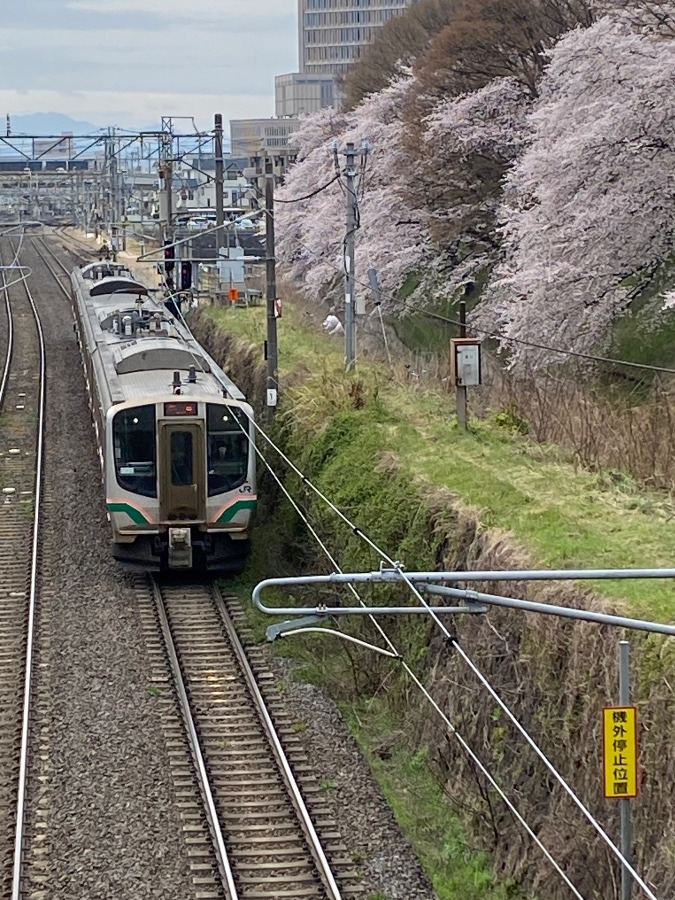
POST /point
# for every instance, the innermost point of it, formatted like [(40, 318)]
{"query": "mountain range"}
[(47, 123)]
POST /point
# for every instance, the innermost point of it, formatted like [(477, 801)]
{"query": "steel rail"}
[(316, 849), (57, 278), (30, 635), (198, 757), (10, 338)]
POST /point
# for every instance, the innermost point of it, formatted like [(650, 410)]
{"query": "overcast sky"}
[(129, 62)]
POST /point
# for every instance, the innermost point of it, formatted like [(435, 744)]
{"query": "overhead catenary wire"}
[(394, 652), (358, 532)]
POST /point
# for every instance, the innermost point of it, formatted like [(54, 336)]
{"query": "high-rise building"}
[(331, 37), (332, 33)]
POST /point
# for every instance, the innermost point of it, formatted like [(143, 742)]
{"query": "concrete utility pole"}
[(354, 305), (350, 282), (220, 216), (271, 264)]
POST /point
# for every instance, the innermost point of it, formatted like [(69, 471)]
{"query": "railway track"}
[(22, 420), (257, 833), (255, 819)]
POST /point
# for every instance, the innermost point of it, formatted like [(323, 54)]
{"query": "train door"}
[(182, 496)]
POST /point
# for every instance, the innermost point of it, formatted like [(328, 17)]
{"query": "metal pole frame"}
[(218, 153), (624, 803), (428, 581)]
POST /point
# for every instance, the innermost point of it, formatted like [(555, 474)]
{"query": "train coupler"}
[(180, 548)]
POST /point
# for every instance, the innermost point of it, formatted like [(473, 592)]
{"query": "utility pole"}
[(270, 265), (220, 216), (350, 283), (460, 390)]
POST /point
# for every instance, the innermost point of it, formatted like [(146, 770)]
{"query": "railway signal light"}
[(169, 257)]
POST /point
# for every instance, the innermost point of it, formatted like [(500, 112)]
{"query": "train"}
[(175, 436)]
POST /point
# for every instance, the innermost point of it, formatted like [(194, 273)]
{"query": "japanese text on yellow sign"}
[(620, 751)]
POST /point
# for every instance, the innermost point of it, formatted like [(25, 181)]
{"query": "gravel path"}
[(114, 830)]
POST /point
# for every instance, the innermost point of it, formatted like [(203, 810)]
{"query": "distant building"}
[(331, 39), (250, 136), (298, 94), (197, 193)]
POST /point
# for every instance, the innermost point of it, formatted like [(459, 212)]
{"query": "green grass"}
[(564, 518), (647, 333), (388, 461), (561, 516), (458, 871), (300, 347)]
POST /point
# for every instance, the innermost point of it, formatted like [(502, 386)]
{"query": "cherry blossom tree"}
[(470, 143), (392, 237), (592, 200)]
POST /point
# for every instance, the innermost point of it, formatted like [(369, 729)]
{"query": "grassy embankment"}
[(561, 517), (381, 449)]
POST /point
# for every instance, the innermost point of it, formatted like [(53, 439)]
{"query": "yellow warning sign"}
[(620, 762)]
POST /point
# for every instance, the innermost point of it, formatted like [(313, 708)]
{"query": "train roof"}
[(155, 353), (104, 267), (141, 344)]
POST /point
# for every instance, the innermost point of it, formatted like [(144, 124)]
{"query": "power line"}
[(309, 196), (393, 651), (500, 337)]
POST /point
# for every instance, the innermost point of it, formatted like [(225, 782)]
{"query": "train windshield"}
[(227, 448), (135, 450)]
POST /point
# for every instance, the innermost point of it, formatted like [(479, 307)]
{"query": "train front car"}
[(175, 435), (180, 478)]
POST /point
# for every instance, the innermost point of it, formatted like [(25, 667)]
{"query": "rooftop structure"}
[(299, 94)]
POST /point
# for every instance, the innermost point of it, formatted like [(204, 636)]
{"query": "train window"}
[(135, 450), (181, 458), (227, 448)]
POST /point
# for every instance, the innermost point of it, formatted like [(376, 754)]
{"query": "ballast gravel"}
[(112, 826)]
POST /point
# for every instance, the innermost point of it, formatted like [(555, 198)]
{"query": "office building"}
[(331, 37), (332, 33)]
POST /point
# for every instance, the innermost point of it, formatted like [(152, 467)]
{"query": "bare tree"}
[(651, 15), (399, 42)]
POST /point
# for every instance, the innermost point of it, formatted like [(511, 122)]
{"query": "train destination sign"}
[(180, 409), (620, 765)]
